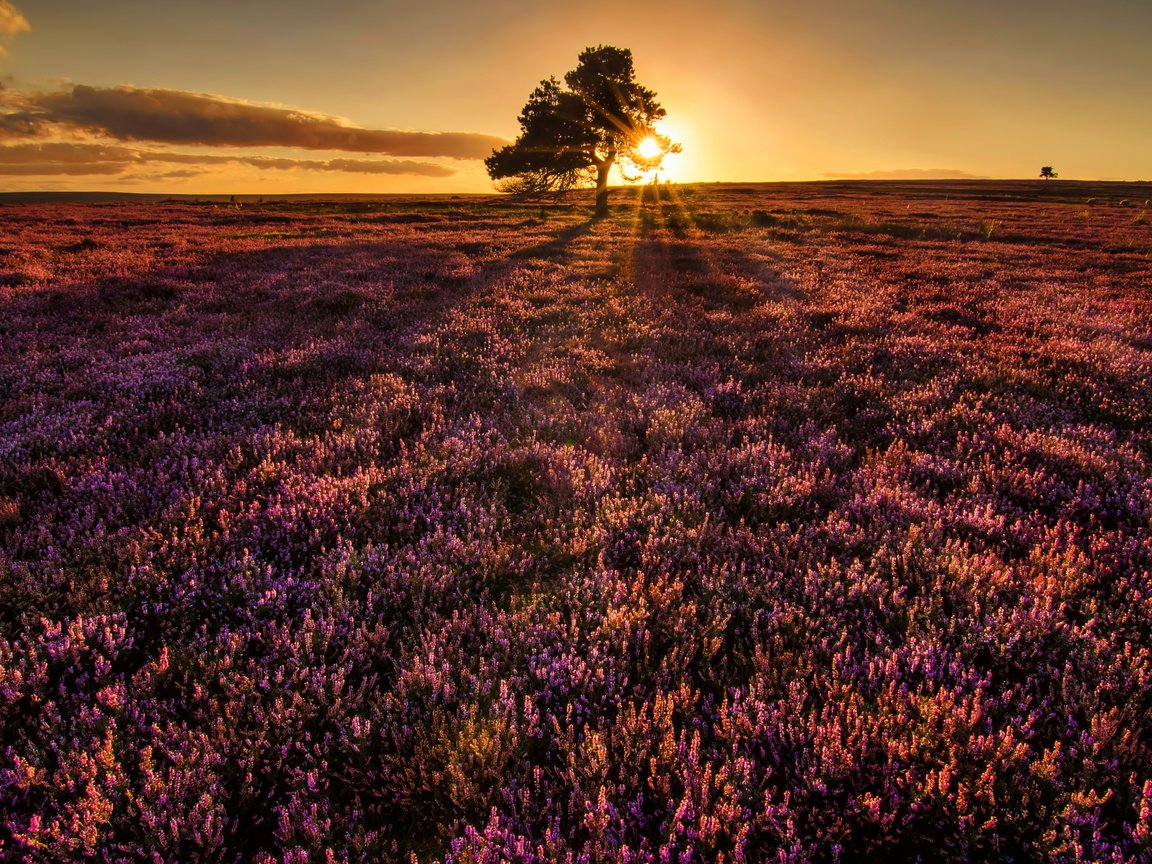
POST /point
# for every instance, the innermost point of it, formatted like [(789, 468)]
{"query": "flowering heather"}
[(780, 523)]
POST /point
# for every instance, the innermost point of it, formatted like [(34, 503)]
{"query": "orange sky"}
[(283, 96)]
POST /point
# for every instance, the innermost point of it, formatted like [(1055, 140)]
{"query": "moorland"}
[(797, 522)]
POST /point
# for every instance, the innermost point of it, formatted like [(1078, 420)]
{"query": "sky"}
[(378, 96)]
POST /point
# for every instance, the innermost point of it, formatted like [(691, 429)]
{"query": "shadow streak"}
[(557, 248), (675, 260)]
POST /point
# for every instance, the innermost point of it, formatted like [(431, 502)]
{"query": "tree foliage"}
[(574, 133), (552, 152)]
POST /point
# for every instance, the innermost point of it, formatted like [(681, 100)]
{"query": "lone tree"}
[(1047, 173), (568, 137)]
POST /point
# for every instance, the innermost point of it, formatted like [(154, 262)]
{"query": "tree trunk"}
[(602, 169)]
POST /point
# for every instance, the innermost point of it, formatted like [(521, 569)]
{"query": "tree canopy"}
[(572, 134)]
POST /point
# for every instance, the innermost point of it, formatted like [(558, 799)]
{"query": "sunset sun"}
[(649, 148)]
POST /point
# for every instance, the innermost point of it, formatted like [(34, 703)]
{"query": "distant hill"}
[(1114, 191)]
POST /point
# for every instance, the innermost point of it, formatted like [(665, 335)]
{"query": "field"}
[(799, 522)]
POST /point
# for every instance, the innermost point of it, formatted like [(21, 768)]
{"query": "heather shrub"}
[(748, 524)]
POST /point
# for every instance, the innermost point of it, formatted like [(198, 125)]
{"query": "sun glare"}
[(649, 148), (673, 166)]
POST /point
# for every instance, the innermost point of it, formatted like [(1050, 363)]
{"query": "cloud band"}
[(179, 117), (75, 159), (907, 174)]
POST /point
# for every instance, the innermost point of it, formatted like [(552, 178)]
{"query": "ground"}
[(790, 522)]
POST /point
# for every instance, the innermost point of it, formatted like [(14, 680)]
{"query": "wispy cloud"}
[(12, 21), (181, 117), (356, 166), (61, 158), (77, 159), (906, 174)]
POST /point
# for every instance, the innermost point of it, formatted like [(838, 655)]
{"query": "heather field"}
[(753, 523)]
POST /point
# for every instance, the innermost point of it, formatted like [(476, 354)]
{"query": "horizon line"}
[(968, 181)]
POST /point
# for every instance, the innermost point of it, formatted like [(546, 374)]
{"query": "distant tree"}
[(572, 135), (1047, 173)]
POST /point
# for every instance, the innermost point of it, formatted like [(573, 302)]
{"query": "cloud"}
[(75, 169), (357, 166), (182, 174), (78, 158), (180, 117), (12, 21), (63, 153), (62, 158), (907, 174)]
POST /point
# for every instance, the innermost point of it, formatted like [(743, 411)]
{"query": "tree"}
[(570, 137), (1047, 173)]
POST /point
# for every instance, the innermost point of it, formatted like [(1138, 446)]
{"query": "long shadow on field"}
[(289, 318), (558, 247), (709, 293), (671, 257), (394, 283)]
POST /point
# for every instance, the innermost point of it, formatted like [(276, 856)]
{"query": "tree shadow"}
[(558, 248), (259, 320), (673, 256), (318, 283)]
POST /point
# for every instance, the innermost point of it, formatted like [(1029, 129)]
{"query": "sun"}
[(649, 148)]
